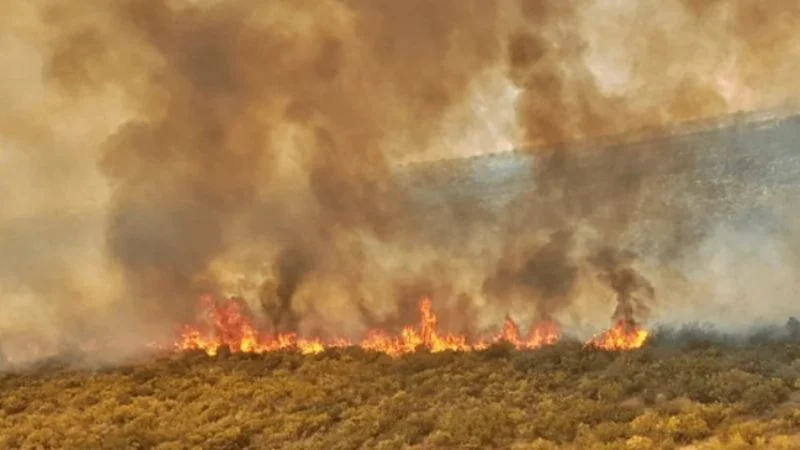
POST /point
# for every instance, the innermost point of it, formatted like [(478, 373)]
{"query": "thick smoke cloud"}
[(225, 88), (587, 70), (158, 150)]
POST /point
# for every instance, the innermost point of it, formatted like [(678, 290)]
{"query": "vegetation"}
[(697, 395)]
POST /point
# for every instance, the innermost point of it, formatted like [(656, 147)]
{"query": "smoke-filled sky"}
[(153, 150)]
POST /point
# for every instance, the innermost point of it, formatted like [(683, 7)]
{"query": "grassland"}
[(693, 395)]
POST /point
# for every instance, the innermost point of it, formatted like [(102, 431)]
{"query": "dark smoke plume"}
[(227, 81), (158, 150), (633, 292), (566, 107), (276, 296), (547, 275)]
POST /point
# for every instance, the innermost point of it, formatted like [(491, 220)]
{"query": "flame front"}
[(622, 336), (228, 325)]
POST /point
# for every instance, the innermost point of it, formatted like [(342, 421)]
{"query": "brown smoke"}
[(224, 83), (634, 293), (258, 140), (674, 63)]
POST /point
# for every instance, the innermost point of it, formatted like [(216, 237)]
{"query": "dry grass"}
[(698, 396)]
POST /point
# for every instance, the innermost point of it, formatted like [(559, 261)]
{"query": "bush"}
[(562, 396)]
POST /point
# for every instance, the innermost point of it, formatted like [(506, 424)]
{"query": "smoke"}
[(634, 292), (276, 298), (586, 70), (154, 151)]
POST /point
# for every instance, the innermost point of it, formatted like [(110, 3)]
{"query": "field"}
[(693, 393)]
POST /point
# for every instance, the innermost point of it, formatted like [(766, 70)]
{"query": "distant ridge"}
[(719, 166), (650, 134)]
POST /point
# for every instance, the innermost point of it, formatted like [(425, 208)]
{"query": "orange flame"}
[(623, 336), (230, 326)]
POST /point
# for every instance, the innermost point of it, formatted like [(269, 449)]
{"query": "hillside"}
[(714, 395)]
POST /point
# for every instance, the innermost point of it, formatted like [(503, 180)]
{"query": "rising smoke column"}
[(228, 90), (592, 69)]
